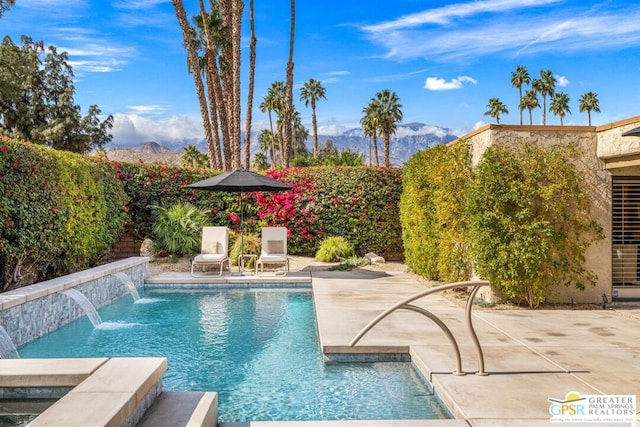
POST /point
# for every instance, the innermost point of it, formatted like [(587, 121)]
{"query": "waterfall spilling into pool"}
[(85, 304), (131, 287), (8, 349)]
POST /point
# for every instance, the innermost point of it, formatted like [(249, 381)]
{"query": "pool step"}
[(116, 394), (177, 409)]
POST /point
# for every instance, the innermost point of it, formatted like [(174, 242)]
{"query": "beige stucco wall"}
[(611, 143), (598, 180)]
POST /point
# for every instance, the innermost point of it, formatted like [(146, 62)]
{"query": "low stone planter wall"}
[(33, 311)]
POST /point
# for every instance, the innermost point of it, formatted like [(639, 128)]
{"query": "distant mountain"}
[(408, 140), (148, 152), (149, 147)]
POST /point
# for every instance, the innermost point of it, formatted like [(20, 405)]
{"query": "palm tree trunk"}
[(236, 33), (215, 130), (375, 147), (223, 114), (387, 138), (288, 142), (530, 118), (215, 158), (181, 14), (520, 88), (273, 142), (252, 69), (314, 122), (589, 115)]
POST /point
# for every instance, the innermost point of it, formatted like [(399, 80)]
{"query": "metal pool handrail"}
[(404, 304)]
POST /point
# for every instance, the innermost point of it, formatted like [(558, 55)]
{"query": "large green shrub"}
[(431, 212), (531, 221), (59, 212)]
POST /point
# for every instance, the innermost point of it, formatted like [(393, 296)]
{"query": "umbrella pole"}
[(241, 227)]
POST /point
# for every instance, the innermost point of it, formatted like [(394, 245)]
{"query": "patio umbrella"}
[(240, 181)]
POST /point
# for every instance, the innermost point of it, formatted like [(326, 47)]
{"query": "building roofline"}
[(619, 123)]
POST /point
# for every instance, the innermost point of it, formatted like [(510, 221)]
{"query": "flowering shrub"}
[(59, 212), (149, 185), (358, 203)]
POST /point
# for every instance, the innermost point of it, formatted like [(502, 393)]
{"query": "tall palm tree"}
[(252, 70), (589, 102), (209, 35), (288, 142), (545, 85), (236, 35), (193, 60), (370, 126), (310, 93), (266, 140), (496, 107), (530, 101), (559, 105), (269, 104), (278, 92), (389, 113), (518, 78)]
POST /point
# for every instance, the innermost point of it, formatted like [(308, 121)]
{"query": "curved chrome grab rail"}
[(404, 304)]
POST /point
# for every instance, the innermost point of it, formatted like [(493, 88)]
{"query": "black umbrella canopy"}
[(240, 181)]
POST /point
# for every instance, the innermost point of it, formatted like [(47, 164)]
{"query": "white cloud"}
[(147, 109), (436, 83), (138, 4), (444, 15), (476, 28), (331, 129), (562, 81), (134, 129)]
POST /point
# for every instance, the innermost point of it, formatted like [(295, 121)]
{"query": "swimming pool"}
[(257, 348)]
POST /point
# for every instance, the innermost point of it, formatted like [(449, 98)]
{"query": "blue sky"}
[(443, 59)]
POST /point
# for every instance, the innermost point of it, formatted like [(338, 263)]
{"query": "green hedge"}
[(531, 221), (358, 203), (431, 212), (59, 212)]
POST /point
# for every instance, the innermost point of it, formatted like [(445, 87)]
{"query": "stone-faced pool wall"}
[(32, 311)]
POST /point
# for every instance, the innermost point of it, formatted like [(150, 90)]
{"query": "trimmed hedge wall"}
[(432, 205), (59, 212), (358, 203)]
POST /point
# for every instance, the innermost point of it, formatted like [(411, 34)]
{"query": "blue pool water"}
[(257, 348)]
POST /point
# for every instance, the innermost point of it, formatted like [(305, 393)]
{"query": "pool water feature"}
[(257, 348)]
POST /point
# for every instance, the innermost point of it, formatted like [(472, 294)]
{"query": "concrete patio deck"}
[(530, 356)]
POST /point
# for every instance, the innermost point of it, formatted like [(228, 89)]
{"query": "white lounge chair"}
[(274, 248), (214, 249)]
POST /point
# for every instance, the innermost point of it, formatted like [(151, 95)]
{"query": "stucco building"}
[(611, 159)]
